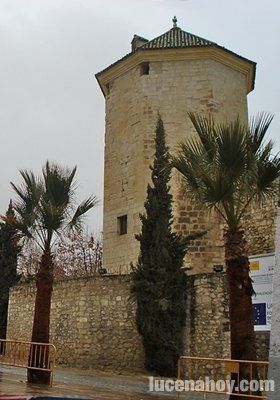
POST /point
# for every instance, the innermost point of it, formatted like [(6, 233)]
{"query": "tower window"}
[(144, 68), (122, 225)]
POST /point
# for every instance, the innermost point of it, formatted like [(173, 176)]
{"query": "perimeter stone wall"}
[(209, 319), (93, 321)]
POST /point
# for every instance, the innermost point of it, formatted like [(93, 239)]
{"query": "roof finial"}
[(174, 22)]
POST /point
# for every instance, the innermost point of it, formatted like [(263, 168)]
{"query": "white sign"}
[(262, 269)]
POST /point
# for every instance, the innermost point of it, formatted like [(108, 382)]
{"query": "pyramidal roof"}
[(175, 38)]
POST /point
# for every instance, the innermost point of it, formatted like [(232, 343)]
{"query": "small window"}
[(144, 68), (122, 225)]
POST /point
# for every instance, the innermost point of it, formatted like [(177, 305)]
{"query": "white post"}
[(274, 353)]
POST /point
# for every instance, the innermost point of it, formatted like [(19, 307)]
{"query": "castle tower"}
[(174, 73)]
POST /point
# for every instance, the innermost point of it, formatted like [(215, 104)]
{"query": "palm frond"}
[(21, 227), (84, 207), (227, 166), (29, 192), (258, 127), (29, 195), (52, 217), (43, 207), (264, 153), (58, 183), (268, 173), (205, 128), (232, 149)]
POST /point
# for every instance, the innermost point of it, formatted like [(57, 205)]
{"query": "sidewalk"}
[(88, 384)]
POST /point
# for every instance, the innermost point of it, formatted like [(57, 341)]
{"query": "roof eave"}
[(100, 84), (252, 63), (129, 61)]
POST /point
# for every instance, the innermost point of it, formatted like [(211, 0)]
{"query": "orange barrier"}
[(30, 355), (218, 368)]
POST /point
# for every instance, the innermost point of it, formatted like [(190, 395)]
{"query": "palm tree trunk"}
[(41, 322), (243, 340), (4, 302)]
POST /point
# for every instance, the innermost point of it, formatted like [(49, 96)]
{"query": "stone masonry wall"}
[(93, 321), (207, 329), (172, 88), (209, 323), (260, 226), (263, 344)]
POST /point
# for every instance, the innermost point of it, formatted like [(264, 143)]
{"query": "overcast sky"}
[(50, 104)]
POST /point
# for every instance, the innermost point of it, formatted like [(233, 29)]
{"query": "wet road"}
[(88, 384)]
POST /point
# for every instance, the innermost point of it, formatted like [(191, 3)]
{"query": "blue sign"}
[(259, 311)]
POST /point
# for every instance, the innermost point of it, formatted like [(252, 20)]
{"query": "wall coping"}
[(32, 282)]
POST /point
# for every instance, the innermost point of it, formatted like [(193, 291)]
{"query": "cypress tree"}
[(9, 251), (159, 282)]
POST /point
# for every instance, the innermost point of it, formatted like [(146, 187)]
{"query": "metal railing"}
[(30, 355), (198, 368)]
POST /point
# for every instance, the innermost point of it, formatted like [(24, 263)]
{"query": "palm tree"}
[(227, 167), (44, 210)]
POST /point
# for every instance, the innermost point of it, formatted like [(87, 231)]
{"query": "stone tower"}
[(172, 74)]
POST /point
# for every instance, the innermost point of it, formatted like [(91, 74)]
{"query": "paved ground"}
[(88, 384)]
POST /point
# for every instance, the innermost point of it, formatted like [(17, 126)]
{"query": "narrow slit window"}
[(122, 225), (144, 68)]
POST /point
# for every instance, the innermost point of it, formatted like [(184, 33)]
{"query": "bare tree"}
[(75, 254), (79, 254)]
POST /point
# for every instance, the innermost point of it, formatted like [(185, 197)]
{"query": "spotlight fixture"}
[(218, 268), (102, 271)]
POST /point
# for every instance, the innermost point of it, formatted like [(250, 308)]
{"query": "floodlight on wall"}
[(102, 271), (218, 268)]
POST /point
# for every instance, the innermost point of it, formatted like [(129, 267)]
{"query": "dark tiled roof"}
[(176, 37)]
